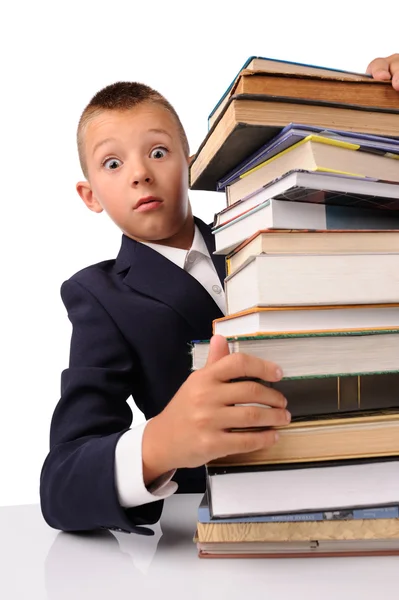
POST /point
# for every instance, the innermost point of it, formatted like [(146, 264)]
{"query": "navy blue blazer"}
[(133, 319)]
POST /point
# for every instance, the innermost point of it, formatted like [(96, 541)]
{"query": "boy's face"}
[(138, 174)]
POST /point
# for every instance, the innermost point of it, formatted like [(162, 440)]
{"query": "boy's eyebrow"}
[(160, 131), (110, 139)]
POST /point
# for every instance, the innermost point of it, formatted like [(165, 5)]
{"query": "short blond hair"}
[(122, 96)]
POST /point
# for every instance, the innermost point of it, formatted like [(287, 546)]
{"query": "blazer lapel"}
[(218, 260), (153, 275)]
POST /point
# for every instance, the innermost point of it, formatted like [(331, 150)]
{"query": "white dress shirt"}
[(128, 453)]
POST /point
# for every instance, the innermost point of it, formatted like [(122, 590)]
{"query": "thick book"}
[(320, 154), (294, 241), (320, 188), (295, 132), (367, 93), (350, 438), (343, 396), (282, 214), (278, 320), (311, 280), (248, 122), (375, 512), (264, 64), (317, 354), (302, 488)]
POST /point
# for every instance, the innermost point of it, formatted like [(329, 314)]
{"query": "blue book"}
[(380, 512), (294, 133), (273, 65)]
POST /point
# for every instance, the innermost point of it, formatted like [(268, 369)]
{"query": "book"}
[(316, 153), (295, 132), (310, 280), (340, 397), (248, 122), (281, 214), (329, 439), (376, 529), (271, 65), (317, 354), (365, 93), (296, 319), (304, 549), (319, 188), (303, 488), (375, 512), (294, 241)]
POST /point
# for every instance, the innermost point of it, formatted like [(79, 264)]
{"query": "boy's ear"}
[(86, 193)]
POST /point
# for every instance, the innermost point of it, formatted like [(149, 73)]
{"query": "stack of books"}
[(309, 164)]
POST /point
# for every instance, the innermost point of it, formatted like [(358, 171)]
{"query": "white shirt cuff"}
[(129, 472)]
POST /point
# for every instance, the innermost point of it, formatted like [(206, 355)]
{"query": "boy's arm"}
[(77, 487)]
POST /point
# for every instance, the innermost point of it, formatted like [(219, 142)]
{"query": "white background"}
[(54, 57)]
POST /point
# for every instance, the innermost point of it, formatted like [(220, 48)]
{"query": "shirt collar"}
[(178, 255)]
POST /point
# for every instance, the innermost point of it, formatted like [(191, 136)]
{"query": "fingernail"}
[(288, 415), (279, 373), (276, 436), (286, 402)]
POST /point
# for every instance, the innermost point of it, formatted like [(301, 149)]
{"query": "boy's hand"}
[(386, 68), (194, 427)]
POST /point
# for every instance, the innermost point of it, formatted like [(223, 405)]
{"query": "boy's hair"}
[(122, 96)]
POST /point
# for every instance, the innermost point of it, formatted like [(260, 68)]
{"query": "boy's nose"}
[(138, 180), (141, 174)]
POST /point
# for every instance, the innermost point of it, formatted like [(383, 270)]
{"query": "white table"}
[(39, 563)]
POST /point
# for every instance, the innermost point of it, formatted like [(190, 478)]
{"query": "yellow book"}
[(319, 154)]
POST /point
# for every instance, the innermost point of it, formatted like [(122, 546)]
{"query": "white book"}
[(280, 214), (306, 280), (275, 320), (323, 488), (299, 185)]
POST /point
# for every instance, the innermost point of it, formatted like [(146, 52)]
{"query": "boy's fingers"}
[(251, 392), (254, 416), (379, 69), (242, 442), (239, 365), (218, 348)]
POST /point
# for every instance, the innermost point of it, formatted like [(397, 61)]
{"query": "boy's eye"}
[(112, 163), (159, 152)]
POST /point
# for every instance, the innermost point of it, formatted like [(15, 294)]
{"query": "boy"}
[(133, 319)]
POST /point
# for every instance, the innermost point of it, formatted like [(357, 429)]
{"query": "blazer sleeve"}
[(77, 482)]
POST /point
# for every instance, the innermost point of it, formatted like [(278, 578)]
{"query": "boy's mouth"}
[(147, 203)]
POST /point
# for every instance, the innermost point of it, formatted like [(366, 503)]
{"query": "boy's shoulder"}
[(98, 272)]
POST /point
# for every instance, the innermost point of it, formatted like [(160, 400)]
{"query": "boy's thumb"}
[(218, 349)]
